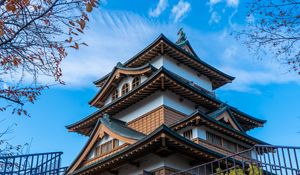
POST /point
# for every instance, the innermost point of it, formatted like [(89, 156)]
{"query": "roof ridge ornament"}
[(181, 37)]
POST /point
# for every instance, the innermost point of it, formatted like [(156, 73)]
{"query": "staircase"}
[(258, 160), (32, 164)]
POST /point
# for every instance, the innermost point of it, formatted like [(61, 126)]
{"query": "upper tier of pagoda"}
[(174, 71), (181, 52)]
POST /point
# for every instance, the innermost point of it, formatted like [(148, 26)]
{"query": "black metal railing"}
[(258, 160), (32, 164)]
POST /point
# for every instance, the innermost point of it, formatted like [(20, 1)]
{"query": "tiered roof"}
[(164, 140), (162, 45), (164, 79)]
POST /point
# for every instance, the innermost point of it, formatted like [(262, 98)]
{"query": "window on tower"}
[(115, 94), (107, 147), (136, 81), (125, 88), (188, 134), (224, 143)]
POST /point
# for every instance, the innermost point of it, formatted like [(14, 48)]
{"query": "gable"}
[(118, 75), (107, 132), (227, 119)]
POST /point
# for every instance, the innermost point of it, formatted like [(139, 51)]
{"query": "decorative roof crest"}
[(181, 37)]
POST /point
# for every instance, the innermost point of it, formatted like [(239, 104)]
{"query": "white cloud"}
[(116, 36), (161, 6), (180, 10), (232, 3), (230, 56), (112, 36), (214, 2), (230, 52), (229, 3), (215, 18)]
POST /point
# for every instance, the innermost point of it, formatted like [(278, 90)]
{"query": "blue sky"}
[(120, 29)]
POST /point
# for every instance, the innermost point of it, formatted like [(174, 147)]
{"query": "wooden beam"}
[(114, 172), (162, 83), (162, 48), (134, 163)]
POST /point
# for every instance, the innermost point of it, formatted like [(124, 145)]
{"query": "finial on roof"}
[(181, 37)]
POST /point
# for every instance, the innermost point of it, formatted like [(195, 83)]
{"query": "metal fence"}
[(32, 164), (258, 160)]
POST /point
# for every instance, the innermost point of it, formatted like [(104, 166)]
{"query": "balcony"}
[(264, 160)]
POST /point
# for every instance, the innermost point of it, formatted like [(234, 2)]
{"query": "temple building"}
[(157, 113)]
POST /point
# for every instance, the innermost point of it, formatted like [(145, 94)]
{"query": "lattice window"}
[(116, 143), (188, 134), (115, 94), (224, 143), (125, 88), (214, 139), (231, 146), (107, 147), (136, 81)]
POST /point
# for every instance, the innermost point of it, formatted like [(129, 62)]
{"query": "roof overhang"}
[(199, 118), (162, 79), (162, 141)]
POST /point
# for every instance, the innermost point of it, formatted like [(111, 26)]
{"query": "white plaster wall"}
[(173, 100), (198, 131), (153, 101), (182, 70)]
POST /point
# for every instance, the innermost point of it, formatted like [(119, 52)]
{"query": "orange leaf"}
[(89, 7), (69, 40), (76, 46), (81, 23)]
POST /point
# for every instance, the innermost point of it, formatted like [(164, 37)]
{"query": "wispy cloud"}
[(213, 2), (161, 6), (180, 10), (116, 36), (229, 3), (232, 3), (112, 36), (234, 59), (215, 18)]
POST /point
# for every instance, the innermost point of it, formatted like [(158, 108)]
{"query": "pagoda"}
[(157, 113)]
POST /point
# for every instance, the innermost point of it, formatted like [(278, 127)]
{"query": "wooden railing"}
[(32, 164), (266, 159)]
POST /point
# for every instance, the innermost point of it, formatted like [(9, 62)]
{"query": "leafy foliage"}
[(252, 170), (273, 26), (34, 36)]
